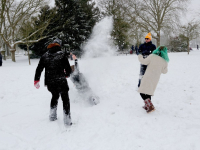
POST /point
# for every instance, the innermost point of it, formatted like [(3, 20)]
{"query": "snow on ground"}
[(117, 123)]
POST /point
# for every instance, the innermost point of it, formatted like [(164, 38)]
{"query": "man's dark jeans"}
[(142, 72)]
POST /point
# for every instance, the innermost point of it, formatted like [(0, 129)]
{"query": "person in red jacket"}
[(57, 68)]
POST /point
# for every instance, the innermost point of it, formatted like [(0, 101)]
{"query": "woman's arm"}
[(145, 61), (165, 69)]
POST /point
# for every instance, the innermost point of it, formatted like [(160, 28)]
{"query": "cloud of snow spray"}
[(100, 43)]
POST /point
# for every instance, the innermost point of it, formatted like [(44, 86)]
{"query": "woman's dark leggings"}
[(145, 96)]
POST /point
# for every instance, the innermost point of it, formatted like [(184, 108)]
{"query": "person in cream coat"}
[(157, 63)]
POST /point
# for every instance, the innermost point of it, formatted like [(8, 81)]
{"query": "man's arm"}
[(67, 67), (165, 69), (139, 51), (153, 48), (76, 67), (145, 61), (39, 70)]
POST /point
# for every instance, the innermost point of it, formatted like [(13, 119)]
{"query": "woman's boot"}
[(145, 107), (149, 105)]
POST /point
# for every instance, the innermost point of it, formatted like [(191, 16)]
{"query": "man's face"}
[(147, 40)]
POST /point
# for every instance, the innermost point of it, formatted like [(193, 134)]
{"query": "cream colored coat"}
[(156, 66)]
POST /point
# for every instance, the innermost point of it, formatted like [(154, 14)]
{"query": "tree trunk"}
[(137, 40), (7, 50), (3, 54), (13, 55), (28, 55), (13, 50), (138, 45), (188, 45), (158, 40)]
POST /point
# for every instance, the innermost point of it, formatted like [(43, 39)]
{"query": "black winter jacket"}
[(146, 48), (55, 62)]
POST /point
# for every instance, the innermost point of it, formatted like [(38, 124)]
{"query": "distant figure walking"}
[(0, 60), (197, 46), (136, 49), (157, 63), (132, 48)]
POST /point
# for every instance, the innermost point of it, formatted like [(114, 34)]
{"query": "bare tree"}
[(155, 16), (2, 12), (30, 35), (189, 32), (14, 14), (136, 33)]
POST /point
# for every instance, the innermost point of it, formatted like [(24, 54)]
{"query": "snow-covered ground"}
[(118, 122)]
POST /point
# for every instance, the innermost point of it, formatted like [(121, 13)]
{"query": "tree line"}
[(32, 24), (133, 19)]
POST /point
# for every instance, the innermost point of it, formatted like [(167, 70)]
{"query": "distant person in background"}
[(157, 63), (136, 49), (0, 60), (57, 68), (145, 50), (197, 46), (132, 48)]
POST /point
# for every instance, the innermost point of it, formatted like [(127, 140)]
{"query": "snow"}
[(100, 42), (118, 122)]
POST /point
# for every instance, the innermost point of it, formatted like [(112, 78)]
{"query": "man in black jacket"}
[(145, 49), (57, 68)]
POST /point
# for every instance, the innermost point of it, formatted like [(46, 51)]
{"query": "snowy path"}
[(117, 123)]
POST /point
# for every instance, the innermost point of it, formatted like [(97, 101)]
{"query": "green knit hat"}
[(162, 52)]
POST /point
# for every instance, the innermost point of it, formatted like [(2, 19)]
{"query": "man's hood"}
[(53, 48)]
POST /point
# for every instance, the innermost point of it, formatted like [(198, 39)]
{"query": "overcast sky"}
[(193, 10), (195, 4)]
